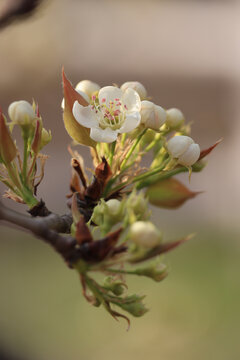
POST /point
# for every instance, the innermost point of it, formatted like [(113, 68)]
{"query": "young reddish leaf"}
[(98, 250), (169, 193), (160, 249), (78, 169), (8, 150), (205, 152), (77, 132), (102, 175), (37, 137), (103, 172), (83, 234)]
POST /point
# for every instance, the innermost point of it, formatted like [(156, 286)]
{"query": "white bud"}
[(190, 156), (83, 94), (113, 206), (145, 234), (152, 116), (178, 145), (174, 118), (88, 87), (137, 86), (21, 112)]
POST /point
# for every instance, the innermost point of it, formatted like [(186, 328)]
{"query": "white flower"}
[(137, 86), (174, 117), (184, 149), (115, 112), (21, 112), (152, 116), (145, 234), (88, 87)]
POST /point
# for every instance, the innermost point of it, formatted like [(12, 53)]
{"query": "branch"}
[(16, 9), (46, 228)]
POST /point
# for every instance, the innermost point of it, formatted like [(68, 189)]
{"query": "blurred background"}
[(187, 54)]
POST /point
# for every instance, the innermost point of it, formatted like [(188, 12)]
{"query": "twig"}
[(46, 228), (17, 9)]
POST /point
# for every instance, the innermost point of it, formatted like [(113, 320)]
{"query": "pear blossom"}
[(114, 111), (137, 86), (152, 116), (21, 112), (184, 149), (175, 118)]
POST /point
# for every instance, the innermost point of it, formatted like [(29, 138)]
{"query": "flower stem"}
[(132, 149), (25, 156), (113, 145)]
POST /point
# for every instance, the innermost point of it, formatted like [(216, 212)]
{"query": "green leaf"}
[(169, 193)]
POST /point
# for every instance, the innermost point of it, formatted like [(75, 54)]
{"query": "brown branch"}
[(46, 228), (17, 9)]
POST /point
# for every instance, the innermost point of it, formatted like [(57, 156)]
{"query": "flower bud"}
[(178, 145), (138, 203), (184, 149), (152, 116), (88, 87), (21, 112), (190, 156), (107, 214), (145, 234), (175, 118), (113, 206), (46, 138), (137, 86)]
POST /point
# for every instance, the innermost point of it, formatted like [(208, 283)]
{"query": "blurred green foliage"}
[(194, 312)]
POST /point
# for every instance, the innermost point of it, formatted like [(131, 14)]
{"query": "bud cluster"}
[(22, 172), (110, 224)]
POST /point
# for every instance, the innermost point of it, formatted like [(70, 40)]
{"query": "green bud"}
[(134, 305), (107, 214), (157, 273), (115, 286), (46, 138)]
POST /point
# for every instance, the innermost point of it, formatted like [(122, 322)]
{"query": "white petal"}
[(84, 115), (190, 156), (178, 145), (88, 87), (131, 122), (109, 93), (107, 135), (83, 94), (137, 86), (131, 100)]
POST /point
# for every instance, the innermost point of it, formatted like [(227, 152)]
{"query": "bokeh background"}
[(187, 54)]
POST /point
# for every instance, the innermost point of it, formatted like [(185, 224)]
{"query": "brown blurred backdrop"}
[(187, 54)]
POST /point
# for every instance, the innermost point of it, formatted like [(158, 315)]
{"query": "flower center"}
[(112, 116)]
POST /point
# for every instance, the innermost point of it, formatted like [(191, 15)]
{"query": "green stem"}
[(151, 173), (132, 149), (163, 176), (25, 156), (113, 145)]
